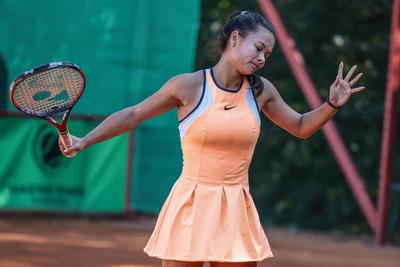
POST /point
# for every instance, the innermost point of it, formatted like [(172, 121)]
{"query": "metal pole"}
[(296, 64), (389, 126)]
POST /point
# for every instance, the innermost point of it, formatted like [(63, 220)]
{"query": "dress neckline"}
[(223, 88)]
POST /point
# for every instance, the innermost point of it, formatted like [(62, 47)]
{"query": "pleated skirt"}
[(208, 222)]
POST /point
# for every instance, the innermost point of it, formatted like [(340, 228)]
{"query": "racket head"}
[(48, 89)]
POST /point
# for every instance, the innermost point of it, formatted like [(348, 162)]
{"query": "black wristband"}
[(332, 105)]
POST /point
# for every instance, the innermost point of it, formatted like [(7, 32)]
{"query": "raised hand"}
[(341, 89)]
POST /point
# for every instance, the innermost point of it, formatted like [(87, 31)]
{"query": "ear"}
[(234, 38)]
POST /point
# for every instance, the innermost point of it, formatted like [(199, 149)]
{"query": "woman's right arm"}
[(168, 97)]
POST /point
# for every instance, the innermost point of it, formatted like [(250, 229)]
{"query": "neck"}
[(227, 76)]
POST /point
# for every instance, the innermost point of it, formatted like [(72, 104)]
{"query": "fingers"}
[(358, 89), (336, 82), (352, 82), (345, 85), (339, 75), (68, 152), (340, 71), (350, 73)]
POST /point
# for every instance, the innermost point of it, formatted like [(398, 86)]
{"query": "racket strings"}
[(50, 91)]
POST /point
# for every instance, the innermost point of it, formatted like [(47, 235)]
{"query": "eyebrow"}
[(262, 43)]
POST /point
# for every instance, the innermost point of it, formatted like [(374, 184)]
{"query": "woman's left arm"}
[(304, 125)]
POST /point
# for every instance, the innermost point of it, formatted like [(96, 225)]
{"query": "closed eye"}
[(261, 46)]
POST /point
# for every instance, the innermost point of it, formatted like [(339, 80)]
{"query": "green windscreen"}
[(35, 176), (127, 50)]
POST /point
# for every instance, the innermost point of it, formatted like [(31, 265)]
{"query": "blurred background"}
[(128, 49)]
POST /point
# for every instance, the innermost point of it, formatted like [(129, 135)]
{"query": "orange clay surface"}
[(61, 242)]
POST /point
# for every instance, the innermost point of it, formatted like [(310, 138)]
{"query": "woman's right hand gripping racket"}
[(48, 91)]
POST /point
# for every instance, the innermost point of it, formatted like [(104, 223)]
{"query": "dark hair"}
[(245, 22)]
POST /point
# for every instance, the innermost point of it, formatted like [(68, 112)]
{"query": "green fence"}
[(127, 50)]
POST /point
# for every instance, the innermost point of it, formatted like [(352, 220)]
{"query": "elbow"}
[(132, 117), (303, 135), (303, 131), (300, 131), (300, 134)]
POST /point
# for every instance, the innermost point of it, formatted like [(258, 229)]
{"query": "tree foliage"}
[(296, 182)]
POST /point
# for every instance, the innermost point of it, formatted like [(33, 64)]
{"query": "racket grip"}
[(67, 142)]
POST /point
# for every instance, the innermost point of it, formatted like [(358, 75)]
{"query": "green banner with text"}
[(35, 176)]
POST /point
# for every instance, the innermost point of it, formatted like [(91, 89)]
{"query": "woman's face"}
[(248, 54)]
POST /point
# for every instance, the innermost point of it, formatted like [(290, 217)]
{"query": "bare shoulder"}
[(187, 80), (187, 86), (268, 86), (270, 92)]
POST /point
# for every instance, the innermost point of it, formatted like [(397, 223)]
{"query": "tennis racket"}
[(50, 91)]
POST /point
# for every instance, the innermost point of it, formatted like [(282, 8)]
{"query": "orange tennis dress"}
[(209, 214)]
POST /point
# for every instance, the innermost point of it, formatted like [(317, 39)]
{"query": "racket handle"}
[(67, 142)]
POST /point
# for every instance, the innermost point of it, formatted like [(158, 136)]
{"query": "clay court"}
[(47, 242)]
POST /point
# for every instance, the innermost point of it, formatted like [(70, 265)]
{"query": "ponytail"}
[(256, 84)]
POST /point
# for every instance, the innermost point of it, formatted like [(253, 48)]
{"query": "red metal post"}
[(389, 126), (296, 64)]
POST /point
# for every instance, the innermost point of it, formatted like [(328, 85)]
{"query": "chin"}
[(247, 71)]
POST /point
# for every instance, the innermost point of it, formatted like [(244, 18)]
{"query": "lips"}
[(255, 66)]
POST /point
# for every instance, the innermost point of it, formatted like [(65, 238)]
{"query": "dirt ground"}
[(61, 242)]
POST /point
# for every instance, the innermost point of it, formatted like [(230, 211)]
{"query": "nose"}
[(261, 59)]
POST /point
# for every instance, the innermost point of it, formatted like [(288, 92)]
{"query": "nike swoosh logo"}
[(228, 108)]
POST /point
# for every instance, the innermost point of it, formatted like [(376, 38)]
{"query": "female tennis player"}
[(209, 215)]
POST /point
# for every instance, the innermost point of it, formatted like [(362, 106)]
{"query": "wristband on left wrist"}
[(331, 104)]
